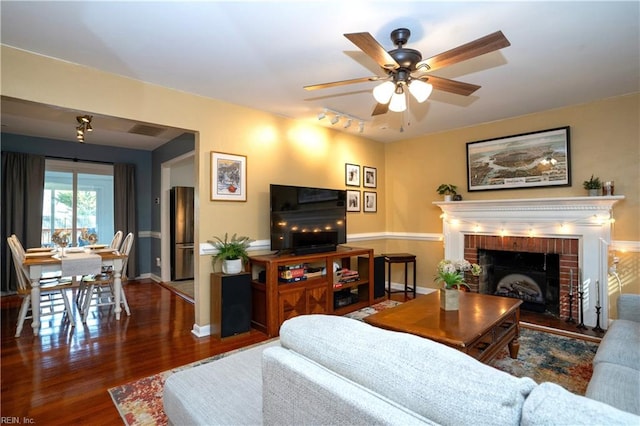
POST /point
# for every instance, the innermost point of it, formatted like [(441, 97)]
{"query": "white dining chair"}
[(99, 290), (115, 244), (117, 239), (53, 299)]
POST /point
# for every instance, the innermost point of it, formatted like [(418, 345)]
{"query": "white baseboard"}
[(201, 331)]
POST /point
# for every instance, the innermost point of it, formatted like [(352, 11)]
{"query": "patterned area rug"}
[(544, 357), (140, 402)]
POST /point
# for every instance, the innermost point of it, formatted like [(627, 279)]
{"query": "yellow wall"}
[(604, 141), (278, 150)]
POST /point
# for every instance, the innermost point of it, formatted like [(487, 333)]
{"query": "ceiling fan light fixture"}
[(322, 115), (383, 92), (335, 119), (347, 124), (398, 101), (361, 127), (420, 90)]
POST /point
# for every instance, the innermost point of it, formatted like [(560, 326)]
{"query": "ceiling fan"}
[(405, 68)]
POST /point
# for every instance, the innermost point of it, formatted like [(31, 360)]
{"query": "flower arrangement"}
[(451, 272), (60, 237)]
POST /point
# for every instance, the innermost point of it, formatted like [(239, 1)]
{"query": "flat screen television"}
[(307, 220)]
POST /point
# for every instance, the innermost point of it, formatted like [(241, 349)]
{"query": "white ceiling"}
[(260, 54)]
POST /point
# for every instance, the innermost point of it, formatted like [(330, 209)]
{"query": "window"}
[(78, 201)]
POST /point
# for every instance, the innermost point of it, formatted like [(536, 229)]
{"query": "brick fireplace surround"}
[(578, 229), (566, 248)]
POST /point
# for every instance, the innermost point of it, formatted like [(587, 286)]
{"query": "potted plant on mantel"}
[(592, 185), (451, 275), (232, 252), (448, 190)]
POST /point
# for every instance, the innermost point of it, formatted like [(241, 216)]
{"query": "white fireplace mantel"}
[(587, 219)]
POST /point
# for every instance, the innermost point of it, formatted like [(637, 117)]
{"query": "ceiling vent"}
[(145, 130)]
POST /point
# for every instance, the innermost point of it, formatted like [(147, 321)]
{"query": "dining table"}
[(41, 263)]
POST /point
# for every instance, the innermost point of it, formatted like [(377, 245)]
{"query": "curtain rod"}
[(75, 160)]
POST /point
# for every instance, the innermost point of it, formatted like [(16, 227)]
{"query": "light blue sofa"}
[(327, 370), (616, 366)]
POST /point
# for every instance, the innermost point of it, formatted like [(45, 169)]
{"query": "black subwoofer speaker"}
[(230, 304), (378, 273)]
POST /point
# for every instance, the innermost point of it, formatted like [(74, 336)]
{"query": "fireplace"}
[(533, 278), (576, 230)]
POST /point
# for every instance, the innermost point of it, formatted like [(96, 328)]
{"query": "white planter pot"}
[(448, 197), (449, 299), (232, 266)]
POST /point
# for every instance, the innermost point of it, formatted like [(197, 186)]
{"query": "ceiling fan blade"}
[(371, 47), (451, 86), (380, 109), (466, 51), (343, 82)]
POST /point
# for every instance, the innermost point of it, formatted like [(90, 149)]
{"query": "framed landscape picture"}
[(528, 160), (353, 201), (352, 174), (228, 177)]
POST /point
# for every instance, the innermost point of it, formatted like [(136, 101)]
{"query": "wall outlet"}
[(158, 263)]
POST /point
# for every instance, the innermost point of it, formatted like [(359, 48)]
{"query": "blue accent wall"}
[(175, 148), (107, 154)]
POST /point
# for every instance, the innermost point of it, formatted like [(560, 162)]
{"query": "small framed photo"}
[(352, 174), (370, 177), (370, 204), (353, 201), (228, 177)]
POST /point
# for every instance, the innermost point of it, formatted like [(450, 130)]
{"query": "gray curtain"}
[(22, 194), (124, 188)]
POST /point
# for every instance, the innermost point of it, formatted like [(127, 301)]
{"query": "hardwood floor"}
[(62, 376)]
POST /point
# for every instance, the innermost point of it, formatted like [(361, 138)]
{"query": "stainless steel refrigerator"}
[(181, 233)]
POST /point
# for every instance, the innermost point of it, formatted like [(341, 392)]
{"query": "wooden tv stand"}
[(274, 301)]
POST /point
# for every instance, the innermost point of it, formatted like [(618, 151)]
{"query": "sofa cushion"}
[(438, 382), (550, 404), (616, 385), (227, 391), (620, 345), (299, 391), (629, 307)]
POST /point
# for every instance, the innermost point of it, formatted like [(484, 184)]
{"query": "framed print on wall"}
[(528, 160), (370, 177), (370, 204), (353, 201), (228, 177), (351, 174)]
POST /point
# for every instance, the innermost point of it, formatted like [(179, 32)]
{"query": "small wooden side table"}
[(404, 258)]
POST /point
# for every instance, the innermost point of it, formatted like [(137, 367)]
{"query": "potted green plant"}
[(232, 252), (592, 185), (448, 190)]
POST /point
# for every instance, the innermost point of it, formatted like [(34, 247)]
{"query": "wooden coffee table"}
[(481, 327)]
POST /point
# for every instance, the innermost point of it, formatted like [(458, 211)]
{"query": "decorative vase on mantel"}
[(449, 299)]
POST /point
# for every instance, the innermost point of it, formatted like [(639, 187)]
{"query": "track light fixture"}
[(337, 116), (84, 126)]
